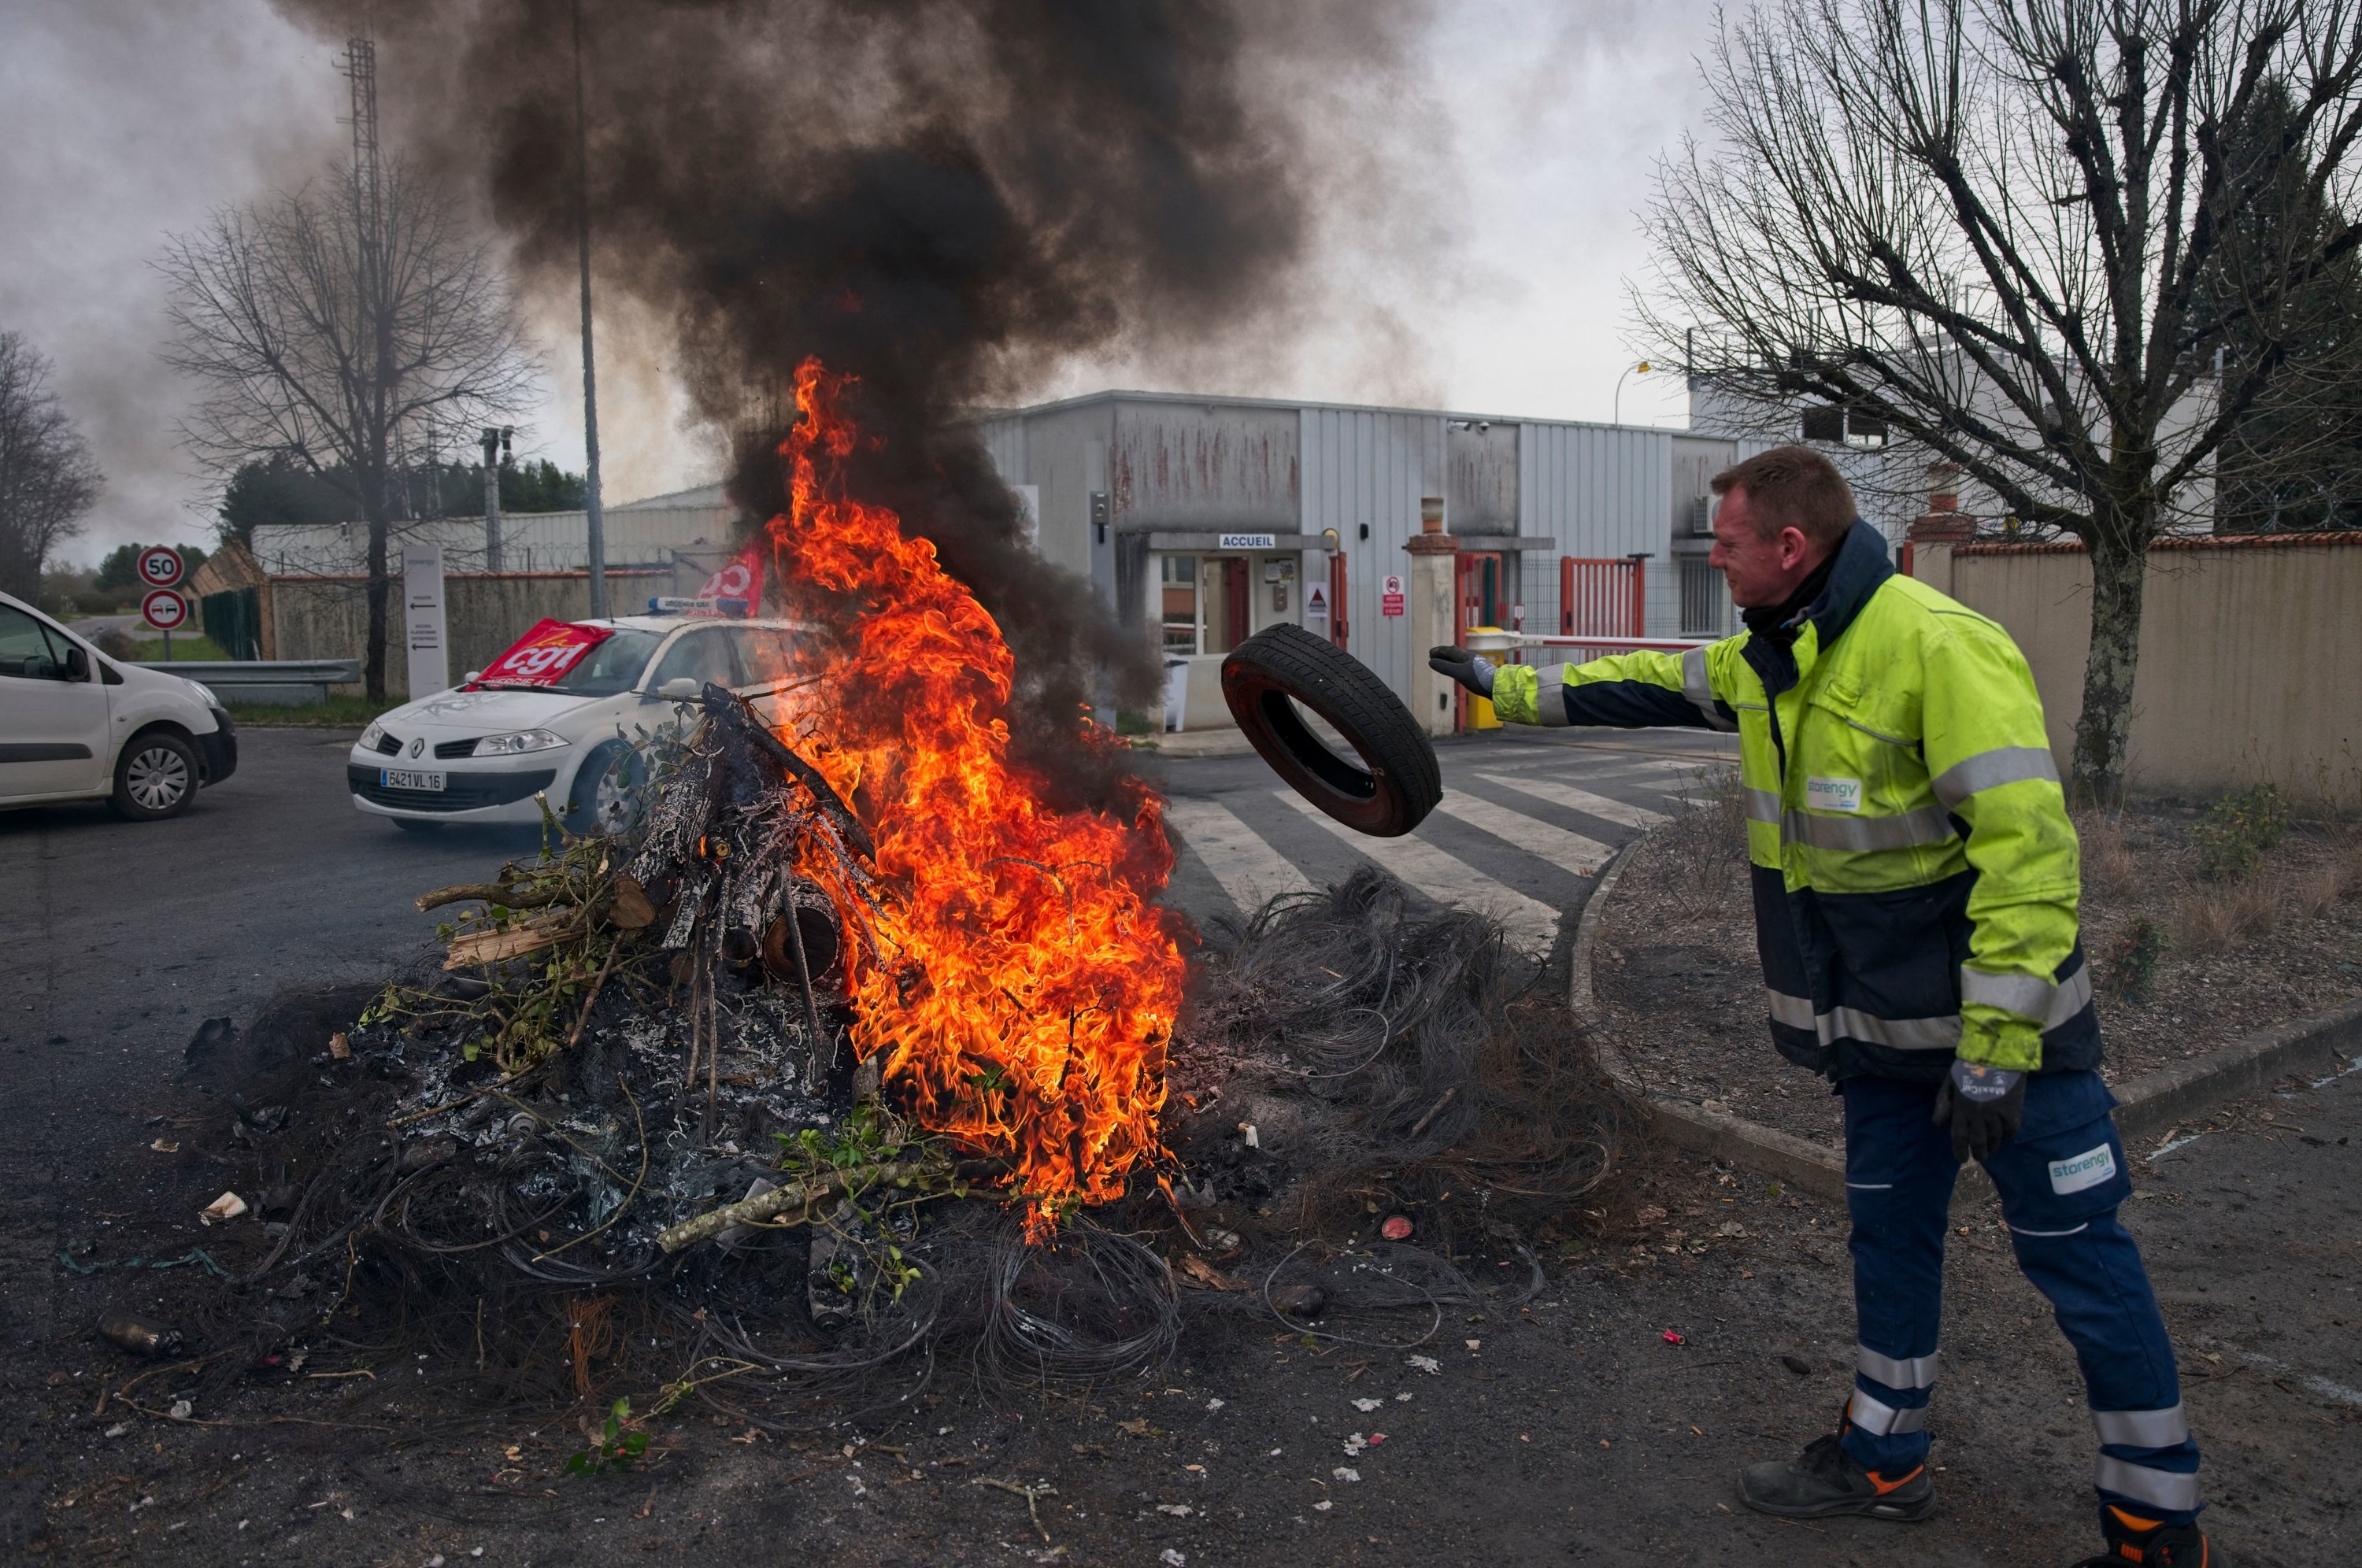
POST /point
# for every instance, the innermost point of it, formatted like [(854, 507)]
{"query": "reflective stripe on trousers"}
[(1880, 1418)]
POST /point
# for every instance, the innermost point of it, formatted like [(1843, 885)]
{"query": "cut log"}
[(532, 936), (629, 908)]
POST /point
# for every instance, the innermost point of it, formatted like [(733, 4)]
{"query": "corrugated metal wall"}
[(1186, 464), (1599, 490), (530, 541), (1367, 467), (1192, 465)]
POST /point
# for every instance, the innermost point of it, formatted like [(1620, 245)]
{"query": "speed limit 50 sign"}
[(161, 566)]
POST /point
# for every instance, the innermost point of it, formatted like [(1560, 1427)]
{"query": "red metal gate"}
[(1337, 627), (1600, 597)]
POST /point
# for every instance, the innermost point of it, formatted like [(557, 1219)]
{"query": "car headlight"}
[(371, 735), (520, 742)]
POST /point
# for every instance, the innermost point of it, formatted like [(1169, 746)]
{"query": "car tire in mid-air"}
[(1393, 780), (156, 776), (605, 795)]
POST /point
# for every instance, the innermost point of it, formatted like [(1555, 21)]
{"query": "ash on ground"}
[(619, 1141)]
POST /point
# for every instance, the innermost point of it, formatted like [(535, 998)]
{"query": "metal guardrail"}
[(272, 683)]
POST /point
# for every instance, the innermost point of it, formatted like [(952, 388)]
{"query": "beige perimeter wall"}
[(2250, 657), (327, 617)]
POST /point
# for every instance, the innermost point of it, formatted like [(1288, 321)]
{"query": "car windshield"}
[(611, 665)]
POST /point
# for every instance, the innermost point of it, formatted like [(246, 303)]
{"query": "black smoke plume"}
[(943, 197)]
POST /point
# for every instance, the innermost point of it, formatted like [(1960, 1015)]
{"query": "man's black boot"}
[(2152, 1545), (1825, 1479)]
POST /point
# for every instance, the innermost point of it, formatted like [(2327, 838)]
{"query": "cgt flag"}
[(740, 579), (543, 655)]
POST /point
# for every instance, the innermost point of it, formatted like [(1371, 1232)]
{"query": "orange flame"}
[(1024, 983)]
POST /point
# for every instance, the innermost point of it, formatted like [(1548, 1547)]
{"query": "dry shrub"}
[(1704, 849), (2218, 919), (2319, 894), (2110, 865)]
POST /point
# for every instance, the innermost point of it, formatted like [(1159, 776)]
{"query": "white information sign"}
[(1248, 541), (1390, 594), (1316, 601), (422, 619)]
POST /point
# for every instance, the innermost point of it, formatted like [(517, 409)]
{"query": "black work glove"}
[(1473, 670), (1985, 1106)]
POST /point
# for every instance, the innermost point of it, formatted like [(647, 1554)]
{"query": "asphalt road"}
[(1572, 1430)]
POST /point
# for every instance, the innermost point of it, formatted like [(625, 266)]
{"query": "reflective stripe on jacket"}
[(1915, 870)]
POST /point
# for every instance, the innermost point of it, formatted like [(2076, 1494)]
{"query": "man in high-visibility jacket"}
[(1916, 883)]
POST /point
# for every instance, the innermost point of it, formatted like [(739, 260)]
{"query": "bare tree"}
[(334, 327), (2000, 227), (47, 477)]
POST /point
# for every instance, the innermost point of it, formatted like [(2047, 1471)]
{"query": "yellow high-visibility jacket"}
[(1915, 875)]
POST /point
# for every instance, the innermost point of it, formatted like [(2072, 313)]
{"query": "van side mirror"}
[(77, 664)]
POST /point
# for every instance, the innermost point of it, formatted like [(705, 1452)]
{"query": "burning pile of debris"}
[(823, 1062)]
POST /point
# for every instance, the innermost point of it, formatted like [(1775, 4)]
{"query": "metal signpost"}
[(160, 567)]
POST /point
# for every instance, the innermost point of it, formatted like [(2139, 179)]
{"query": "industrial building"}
[(1204, 519), (1201, 520)]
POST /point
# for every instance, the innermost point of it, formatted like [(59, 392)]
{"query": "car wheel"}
[(605, 796), (155, 778), (1391, 784)]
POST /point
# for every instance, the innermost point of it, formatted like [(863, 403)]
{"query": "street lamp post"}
[(1641, 366)]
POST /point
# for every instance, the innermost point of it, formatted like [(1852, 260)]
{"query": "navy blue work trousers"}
[(2061, 1179)]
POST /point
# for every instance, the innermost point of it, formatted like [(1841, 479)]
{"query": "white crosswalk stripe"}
[(1249, 869), (1530, 924), (1575, 800), (1570, 851)]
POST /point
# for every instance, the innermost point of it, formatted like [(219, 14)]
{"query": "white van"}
[(75, 725)]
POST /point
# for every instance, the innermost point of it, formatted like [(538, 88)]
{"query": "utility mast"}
[(593, 517), (374, 320)]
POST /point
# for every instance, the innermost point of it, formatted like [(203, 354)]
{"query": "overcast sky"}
[(123, 121)]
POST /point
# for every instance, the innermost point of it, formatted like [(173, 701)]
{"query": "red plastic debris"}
[(1674, 1339), (1396, 1228)]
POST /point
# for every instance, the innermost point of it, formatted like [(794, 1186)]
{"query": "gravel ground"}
[(1574, 1428), (1676, 971), (1574, 1431)]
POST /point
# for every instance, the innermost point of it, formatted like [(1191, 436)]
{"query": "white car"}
[(480, 753), (76, 725)]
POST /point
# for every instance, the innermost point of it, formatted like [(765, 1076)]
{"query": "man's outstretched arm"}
[(1634, 690)]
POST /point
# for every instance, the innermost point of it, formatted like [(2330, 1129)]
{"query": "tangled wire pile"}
[(629, 1150)]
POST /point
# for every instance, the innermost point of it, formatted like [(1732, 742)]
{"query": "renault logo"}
[(418, 746)]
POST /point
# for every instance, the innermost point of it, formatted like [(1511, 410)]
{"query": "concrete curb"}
[(2325, 1042)]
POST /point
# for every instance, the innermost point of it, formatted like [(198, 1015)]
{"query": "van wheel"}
[(155, 778), (1390, 784)]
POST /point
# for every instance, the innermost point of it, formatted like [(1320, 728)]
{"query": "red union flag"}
[(543, 654), (741, 576)]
